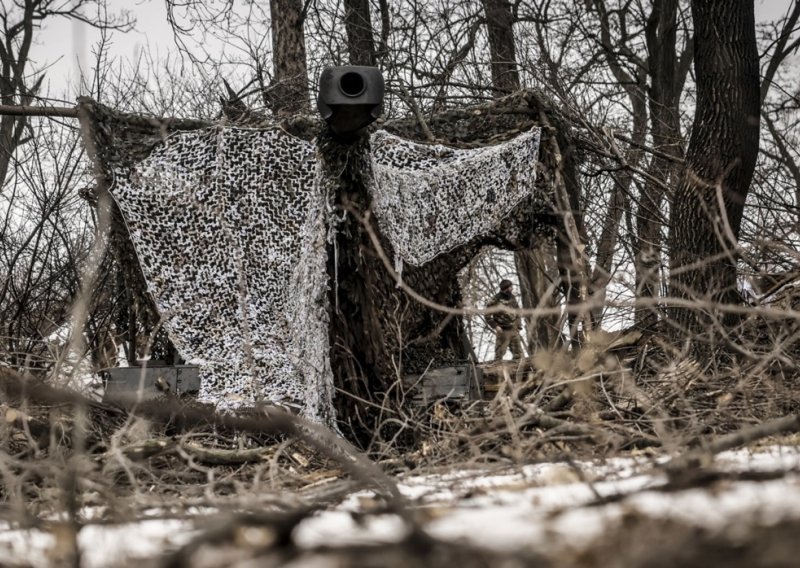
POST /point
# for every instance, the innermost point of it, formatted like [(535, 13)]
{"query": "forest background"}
[(718, 372)]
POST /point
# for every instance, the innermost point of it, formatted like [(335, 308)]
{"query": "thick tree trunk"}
[(358, 23), (289, 91), (710, 196), (378, 333), (499, 21)]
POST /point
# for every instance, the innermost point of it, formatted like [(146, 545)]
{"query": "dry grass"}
[(63, 453)]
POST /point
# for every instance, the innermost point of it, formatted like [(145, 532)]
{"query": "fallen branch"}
[(538, 418), (148, 449), (218, 456), (269, 420), (535, 416), (696, 458), (37, 431), (560, 401)]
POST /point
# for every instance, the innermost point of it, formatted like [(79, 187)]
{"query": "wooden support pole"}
[(21, 110)]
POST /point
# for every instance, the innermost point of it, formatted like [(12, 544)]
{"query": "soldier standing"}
[(506, 322)]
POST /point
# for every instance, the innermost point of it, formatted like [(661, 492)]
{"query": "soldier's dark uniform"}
[(506, 323)]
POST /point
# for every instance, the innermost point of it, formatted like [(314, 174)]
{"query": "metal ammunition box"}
[(150, 381), (460, 382)]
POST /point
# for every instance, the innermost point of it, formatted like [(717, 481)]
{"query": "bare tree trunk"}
[(663, 96), (358, 23), (667, 74), (607, 242), (11, 128), (710, 197), (536, 266), (499, 20), (289, 91), (539, 285), (13, 90), (570, 233)]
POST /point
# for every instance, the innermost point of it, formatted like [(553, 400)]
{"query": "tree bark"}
[(570, 232), (378, 333), (663, 97), (607, 243), (539, 285), (710, 196), (13, 90), (358, 24), (499, 24), (289, 91), (537, 264)]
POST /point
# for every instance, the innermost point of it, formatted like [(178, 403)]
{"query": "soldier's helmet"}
[(505, 284)]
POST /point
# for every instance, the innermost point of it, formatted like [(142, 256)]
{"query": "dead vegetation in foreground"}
[(70, 458)]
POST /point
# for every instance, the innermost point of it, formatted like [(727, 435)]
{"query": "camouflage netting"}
[(429, 199), (230, 227), (223, 221)]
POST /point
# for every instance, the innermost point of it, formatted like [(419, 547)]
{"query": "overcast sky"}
[(67, 45), (63, 44)]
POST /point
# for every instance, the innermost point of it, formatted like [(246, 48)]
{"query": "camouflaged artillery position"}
[(289, 265)]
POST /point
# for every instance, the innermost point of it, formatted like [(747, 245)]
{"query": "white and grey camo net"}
[(230, 226)]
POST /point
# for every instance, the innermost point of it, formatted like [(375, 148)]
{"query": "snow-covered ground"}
[(542, 507), (549, 505)]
